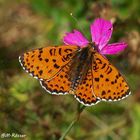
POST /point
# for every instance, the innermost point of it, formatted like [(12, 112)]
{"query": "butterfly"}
[(81, 71)]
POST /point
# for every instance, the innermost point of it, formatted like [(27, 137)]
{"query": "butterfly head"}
[(93, 46)]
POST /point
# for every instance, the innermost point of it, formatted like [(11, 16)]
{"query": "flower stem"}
[(80, 108), (68, 129)]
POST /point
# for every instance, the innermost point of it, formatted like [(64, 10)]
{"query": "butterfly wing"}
[(108, 83), (84, 91), (45, 63), (59, 84)]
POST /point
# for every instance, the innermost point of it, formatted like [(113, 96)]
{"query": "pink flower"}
[(101, 31)]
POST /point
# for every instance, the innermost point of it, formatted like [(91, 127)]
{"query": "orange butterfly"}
[(76, 69)]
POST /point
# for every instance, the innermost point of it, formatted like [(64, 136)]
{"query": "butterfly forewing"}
[(108, 83), (44, 63)]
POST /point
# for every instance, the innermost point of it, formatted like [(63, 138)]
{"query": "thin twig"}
[(102, 132)]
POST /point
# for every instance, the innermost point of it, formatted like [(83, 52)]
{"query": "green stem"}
[(68, 129), (80, 108)]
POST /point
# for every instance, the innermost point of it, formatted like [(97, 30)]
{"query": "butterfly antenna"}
[(75, 19)]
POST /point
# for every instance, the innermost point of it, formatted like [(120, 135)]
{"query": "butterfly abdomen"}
[(80, 66)]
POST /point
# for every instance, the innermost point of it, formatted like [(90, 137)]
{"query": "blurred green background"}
[(25, 108)]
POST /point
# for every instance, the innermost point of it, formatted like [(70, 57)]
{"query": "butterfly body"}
[(80, 65)]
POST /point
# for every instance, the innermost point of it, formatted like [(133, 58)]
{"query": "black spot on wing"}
[(40, 72), (96, 79), (47, 60), (60, 51), (56, 66)]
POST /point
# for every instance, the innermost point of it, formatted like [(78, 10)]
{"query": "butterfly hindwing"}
[(59, 84), (108, 83), (44, 63), (84, 91)]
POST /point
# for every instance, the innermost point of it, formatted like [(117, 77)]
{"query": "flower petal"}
[(75, 38), (113, 48), (101, 31)]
